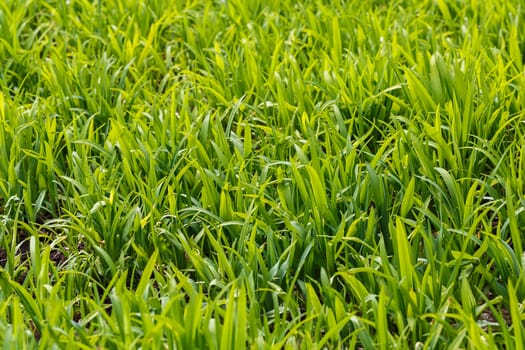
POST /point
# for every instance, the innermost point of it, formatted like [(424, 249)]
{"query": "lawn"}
[(262, 174)]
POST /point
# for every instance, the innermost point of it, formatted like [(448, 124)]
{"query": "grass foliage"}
[(262, 174)]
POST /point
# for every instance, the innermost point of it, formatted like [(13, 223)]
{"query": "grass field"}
[(262, 174)]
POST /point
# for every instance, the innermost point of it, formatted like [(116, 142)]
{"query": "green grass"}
[(262, 174)]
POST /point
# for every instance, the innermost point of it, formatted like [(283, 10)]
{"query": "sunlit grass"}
[(262, 174)]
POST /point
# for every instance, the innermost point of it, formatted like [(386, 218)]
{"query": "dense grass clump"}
[(262, 174)]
